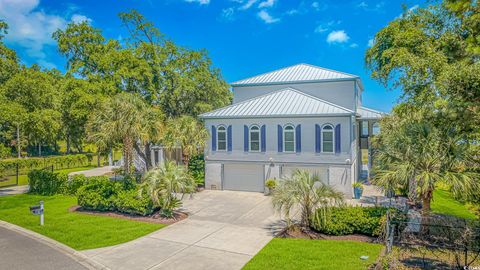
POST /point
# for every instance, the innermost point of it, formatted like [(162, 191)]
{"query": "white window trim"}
[(294, 139), (250, 139), (226, 138), (333, 139)]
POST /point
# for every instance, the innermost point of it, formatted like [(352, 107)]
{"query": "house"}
[(298, 117)]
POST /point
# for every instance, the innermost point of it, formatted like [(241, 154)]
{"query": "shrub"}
[(30, 163), (131, 202), (98, 195), (271, 184), (196, 167), (45, 182), (349, 220)]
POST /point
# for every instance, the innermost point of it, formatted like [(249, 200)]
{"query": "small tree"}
[(305, 191), (163, 184), (188, 134)]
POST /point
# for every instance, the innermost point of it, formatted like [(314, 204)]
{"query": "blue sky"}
[(243, 37)]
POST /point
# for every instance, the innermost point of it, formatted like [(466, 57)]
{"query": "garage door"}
[(243, 177), (322, 172)]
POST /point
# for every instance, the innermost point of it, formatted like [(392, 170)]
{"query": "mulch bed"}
[(306, 233), (154, 218)]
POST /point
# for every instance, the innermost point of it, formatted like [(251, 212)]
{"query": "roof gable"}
[(296, 74), (281, 103), (367, 113)]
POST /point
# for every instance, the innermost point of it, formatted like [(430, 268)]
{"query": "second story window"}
[(327, 139), (364, 128), (375, 128), (289, 139), (254, 139), (221, 138)]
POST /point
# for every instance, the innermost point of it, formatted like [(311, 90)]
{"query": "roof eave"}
[(278, 116), (295, 82)]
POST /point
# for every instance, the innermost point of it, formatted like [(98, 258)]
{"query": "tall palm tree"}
[(305, 191), (414, 155), (120, 120), (188, 134), (164, 183)]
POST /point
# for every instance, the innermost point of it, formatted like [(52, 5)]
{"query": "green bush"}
[(196, 167), (46, 182), (98, 195), (58, 162), (349, 220), (131, 202)]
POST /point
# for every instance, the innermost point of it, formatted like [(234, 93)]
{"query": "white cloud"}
[(267, 18), (267, 4), (320, 29), (362, 5), (337, 37), (228, 13), (353, 45), (319, 6), (248, 4), (371, 42), (77, 18), (201, 2), (292, 12), (378, 7), (324, 27)]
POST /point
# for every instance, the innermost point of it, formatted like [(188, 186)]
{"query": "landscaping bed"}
[(153, 218)]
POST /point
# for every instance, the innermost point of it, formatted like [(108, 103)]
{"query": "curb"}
[(72, 253)]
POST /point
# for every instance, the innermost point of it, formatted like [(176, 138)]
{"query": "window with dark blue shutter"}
[(298, 138), (280, 138), (229, 138), (245, 138), (214, 138), (263, 136), (338, 141), (317, 138)]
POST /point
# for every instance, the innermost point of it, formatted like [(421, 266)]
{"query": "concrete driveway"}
[(225, 230)]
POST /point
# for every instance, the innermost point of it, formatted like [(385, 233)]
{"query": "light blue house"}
[(298, 117)]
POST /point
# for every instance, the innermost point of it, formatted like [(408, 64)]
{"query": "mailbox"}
[(36, 210)]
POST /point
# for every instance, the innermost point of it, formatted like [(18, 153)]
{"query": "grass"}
[(285, 253), (79, 231), (444, 203), (23, 179)]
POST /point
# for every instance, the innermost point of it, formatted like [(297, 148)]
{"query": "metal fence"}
[(433, 242)]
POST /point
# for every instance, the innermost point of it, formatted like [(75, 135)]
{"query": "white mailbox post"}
[(38, 211)]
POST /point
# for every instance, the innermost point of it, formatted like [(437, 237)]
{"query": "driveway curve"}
[(224, 230)]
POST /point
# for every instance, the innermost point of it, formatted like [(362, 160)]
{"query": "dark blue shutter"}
[(229, 138), (338, 140), (263, 138), (298, 138), (245, 138), (317, 139), (214, 138), (280, 138)]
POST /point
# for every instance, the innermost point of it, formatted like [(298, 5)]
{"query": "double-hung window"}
[(327, 139), (289, 139), (221, 138), (254, 139)]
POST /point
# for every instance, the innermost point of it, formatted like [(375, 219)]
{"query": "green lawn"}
[(79, 231), (444, 203), (23, 179), (304, 254)]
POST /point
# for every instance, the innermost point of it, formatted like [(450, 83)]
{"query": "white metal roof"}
[(296, 74), (287, 102), (367, 113)]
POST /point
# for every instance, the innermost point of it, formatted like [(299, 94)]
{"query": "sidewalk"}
[(13, 190)]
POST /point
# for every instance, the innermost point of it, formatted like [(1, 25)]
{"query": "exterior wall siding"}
[(341, 93)]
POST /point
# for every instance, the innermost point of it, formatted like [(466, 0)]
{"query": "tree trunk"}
[(186, 159), (39, 149), (145, 154), (98, 158), (127, 154), (110, 157), (19, 147), (68, 143), (426, 200)]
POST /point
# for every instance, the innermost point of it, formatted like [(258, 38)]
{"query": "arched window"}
[(375, 128), (289, 139), (221, 138), (327, 139), (254, 138)]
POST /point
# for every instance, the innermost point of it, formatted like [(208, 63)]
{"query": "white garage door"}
[(322, 172), (243, 177)]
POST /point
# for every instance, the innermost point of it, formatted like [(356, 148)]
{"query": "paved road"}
[(224, 231), (21, 252)]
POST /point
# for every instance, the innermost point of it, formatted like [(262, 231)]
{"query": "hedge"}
[(58, 162), (350, 220), (45, 182)]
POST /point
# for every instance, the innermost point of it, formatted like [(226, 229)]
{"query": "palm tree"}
[(185, 132), (305, 191), (416, 156), (163, 184), (120, 120)]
